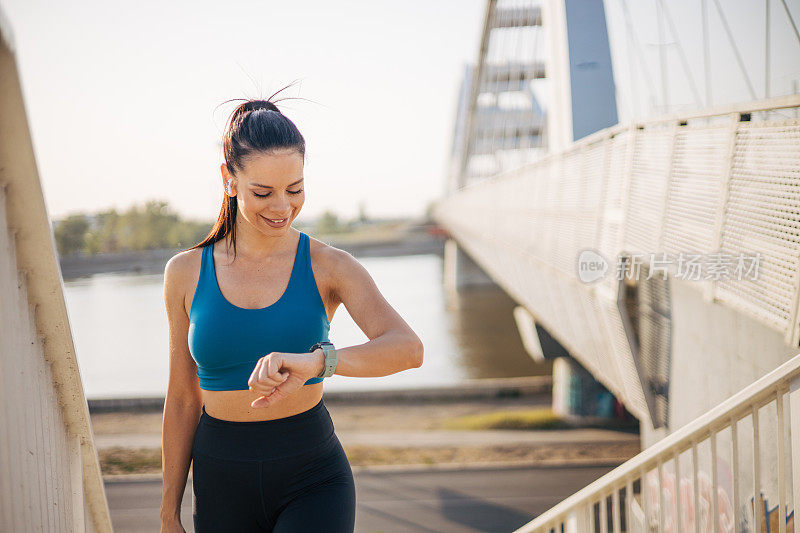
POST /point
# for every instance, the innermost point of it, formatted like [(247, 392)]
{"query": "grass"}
[(535, 418), (130, 460)]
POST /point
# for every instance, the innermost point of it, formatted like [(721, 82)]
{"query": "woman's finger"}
[(259, 376), (262, 390), (265, 382), (271, 369), (278, 393), (254, 374)]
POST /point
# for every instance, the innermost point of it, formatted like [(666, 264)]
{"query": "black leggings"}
[(284, 475)]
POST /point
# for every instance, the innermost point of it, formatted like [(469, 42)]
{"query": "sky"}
[(123, 99)]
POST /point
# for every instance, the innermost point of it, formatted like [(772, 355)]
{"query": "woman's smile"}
[(276, 223)]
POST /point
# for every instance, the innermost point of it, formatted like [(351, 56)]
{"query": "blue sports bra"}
[(226, 341)]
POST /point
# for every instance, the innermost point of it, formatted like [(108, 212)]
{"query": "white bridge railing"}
[(673, 486), (723, 182)]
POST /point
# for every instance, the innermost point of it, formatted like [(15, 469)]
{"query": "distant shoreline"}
[(154, 261)]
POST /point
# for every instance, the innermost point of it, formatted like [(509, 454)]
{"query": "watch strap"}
[(330, 358)]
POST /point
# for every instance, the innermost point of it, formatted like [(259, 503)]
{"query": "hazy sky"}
[(122, 97)]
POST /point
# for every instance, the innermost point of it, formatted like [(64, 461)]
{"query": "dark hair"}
[(255, 127)]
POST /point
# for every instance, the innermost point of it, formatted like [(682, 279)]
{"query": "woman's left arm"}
[(393, 345)]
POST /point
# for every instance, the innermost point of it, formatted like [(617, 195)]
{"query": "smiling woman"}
[(249, 349), (265, 199)]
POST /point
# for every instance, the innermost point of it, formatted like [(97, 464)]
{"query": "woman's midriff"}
[(235, 405)]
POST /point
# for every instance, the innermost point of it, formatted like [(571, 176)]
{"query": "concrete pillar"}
[(577, 396), (460, 271), (527, 332)]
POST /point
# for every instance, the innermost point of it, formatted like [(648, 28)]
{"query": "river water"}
[(120, 329)]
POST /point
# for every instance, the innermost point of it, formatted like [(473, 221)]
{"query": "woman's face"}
[(269, 188)]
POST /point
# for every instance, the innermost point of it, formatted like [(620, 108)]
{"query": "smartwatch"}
[(330, 358)]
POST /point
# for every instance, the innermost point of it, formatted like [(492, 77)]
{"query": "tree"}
[(362, 212), (70, 234), (149, 226), (328, 222)]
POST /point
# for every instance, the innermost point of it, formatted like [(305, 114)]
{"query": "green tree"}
[(328, 222), (70, 234), (103, 236), (362, 212), (140, 227)]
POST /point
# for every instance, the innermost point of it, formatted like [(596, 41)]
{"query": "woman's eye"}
[(265, 195)]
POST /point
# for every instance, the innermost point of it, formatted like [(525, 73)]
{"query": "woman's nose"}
[(281, 208)]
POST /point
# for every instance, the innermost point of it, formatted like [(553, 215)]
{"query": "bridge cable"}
[(735, 50), (519, 32), (681, 54), (534, 33), (639, 55), (634, 104), (791, 21), (661, 57), (706, 52), (766, 52)]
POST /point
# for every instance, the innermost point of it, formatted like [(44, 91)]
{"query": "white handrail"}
[(49, 456), (576, 512)]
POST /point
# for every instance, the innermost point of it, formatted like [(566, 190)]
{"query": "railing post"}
[(709, 292), (674, 129), (572, 523), (757, 504), (794, 437), (626, 186), (652, 511)]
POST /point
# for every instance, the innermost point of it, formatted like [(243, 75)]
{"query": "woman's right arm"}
[(183, 400)]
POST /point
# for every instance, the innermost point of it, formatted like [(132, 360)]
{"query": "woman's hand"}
[(278, 374)]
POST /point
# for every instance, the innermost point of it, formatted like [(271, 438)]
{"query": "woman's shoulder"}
[(186, 260), (342, 276), (183, 268), (332, 265), (327, 256)]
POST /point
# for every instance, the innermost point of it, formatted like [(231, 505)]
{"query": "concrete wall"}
[(37, 490), (717, 351)]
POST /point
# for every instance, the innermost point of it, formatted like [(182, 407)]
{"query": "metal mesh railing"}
[(700, 477), (701, 183)]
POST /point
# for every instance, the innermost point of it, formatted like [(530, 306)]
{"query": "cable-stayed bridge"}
[(660, 251)]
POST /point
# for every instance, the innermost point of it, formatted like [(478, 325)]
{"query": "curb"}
[(413, 468), (499, 465)]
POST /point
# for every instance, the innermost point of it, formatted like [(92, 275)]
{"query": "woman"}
[(249, 312)]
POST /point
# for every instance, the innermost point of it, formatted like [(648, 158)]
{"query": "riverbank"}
[(392, 428), (401, 241)]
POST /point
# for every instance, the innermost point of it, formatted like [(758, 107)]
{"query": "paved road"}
[(488, 499)]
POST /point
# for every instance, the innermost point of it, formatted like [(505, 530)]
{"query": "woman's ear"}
[(228, 181)]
